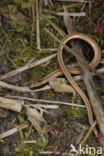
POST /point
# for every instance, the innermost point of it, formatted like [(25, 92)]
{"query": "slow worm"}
[(67, 71)]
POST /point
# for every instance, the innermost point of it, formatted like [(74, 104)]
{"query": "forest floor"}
[(21, 44)]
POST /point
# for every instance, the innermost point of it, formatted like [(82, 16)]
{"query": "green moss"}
[(49, 95), (75, 112), (2, 144)]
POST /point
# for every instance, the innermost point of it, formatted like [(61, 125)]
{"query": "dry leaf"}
[(37, 120)]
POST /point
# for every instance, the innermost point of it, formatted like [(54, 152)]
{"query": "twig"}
[(29, 132), (45, 2), (80, 136), (27, 66), (44, 106), (33, 24), (40, 6), (48, 49), (63, 13), (13, 130), (37, 25), (90, 6), (100, 70), (10, 60), (47, 101), (21, 89), (54, 26), (2, 50), (83, 7), (87, 135), (4, 32), (68, 6), (68, 21)]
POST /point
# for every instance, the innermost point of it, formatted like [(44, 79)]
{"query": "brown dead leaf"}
[(37, 120)]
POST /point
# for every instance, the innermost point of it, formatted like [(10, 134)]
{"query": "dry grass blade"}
[(37, 25)]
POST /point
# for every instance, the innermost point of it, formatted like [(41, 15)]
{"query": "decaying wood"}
[(90, 86), (11, 104), (13, 130)]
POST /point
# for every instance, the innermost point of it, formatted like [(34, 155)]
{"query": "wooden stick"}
[(22, 89), (37, 25), (44, 106), (11, 104), (63, 13), (86, 137), (48, 49), (54, 25), (33, 23), (68, 6), (27, 66), (13, 130), (46, 101)]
